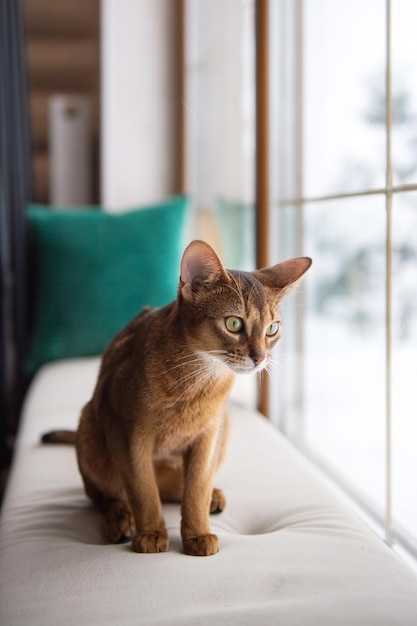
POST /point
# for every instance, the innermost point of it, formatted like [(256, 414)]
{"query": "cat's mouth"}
[(238, 363), (246, 365)]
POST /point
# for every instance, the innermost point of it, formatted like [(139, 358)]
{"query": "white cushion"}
[(291, 554)]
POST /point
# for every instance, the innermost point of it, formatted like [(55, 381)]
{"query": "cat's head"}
[(234, 316)]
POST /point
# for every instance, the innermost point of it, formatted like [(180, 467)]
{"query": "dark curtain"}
[(15, 192)]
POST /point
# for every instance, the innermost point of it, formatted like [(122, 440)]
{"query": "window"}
[(343, 79), (220, 121)]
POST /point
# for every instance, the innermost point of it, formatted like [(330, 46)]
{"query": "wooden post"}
[(181, 185), (262, 157)]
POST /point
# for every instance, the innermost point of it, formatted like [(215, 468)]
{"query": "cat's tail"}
[(67, 437)]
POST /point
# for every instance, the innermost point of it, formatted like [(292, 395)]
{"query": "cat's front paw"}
[(151, 542), (204, 545)]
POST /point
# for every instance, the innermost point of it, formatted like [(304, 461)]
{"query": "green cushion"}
[(92, 272), (236, 222)]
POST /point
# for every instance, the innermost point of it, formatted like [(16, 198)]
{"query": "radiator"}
[(70, 177)]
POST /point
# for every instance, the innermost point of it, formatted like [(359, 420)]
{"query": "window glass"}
[(344, 356), (344, 105), (330, 396), (404, 91), (282, 92), (404, 370), (286, 386)]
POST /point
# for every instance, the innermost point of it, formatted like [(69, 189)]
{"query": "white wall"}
[(138, 93)]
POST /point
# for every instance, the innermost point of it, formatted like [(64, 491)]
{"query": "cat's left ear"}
[(200, 268), (285, 276)]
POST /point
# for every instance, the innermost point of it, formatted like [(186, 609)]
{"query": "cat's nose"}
[(257, 358)]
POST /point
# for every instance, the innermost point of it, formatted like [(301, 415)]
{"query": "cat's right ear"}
[(200, 268), (285, 276)]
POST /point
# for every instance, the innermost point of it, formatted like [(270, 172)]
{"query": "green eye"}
[(272, 329), (233, 324)]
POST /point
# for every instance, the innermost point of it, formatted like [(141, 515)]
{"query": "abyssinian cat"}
[(156, 426)]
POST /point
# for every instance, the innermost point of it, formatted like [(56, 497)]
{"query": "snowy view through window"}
[(344, 153)]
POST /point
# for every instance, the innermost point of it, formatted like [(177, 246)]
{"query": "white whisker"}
[(201, 377), (199, 369), (193, 357), (199, 363)]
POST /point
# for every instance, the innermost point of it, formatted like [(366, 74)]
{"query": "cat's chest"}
[(178, 426), (172, 418)]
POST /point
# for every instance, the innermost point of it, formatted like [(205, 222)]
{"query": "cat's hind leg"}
[(119, 523), (121, 482), (218, 501), (102, 480)]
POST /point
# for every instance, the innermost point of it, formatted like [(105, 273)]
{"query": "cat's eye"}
[(272, 329), (233, 324)]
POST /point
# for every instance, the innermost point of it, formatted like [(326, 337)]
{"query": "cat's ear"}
[(285, 276), (200, 267)]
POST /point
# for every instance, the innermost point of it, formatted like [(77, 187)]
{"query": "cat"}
[(156, 426)]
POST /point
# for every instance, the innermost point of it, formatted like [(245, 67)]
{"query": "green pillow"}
[(236, 222), (92, 272)]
